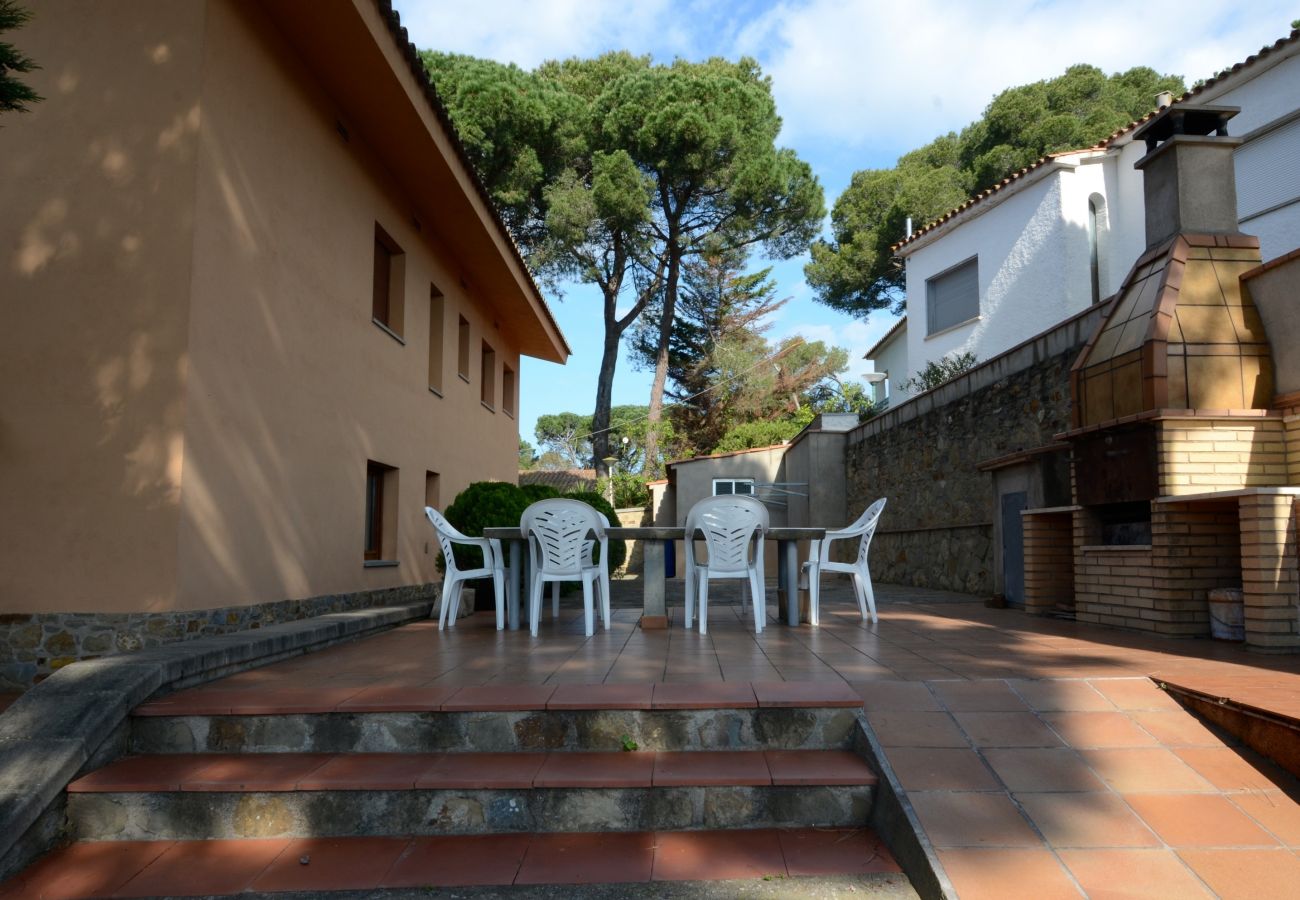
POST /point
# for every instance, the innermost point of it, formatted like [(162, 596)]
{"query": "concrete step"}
[(791, 861), (323, 795)]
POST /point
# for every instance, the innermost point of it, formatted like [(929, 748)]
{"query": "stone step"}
[(322, 795), (224, 867)]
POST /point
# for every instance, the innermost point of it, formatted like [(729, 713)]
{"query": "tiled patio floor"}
[(1039, 756)]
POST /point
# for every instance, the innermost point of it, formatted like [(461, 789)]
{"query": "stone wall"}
[(32, 645), (923, 455)]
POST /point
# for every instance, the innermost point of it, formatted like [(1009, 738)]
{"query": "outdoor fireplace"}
[(1179, 460)]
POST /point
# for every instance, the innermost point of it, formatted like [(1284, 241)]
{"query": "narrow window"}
[(381, 512), (1094, 256), (952, 297), (462, 350), (390, 269), (437, 314), (488, 377), (433, 490), (508, 391)]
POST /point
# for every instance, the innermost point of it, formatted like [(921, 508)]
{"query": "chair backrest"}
[(729, 523), (558, 530), (447, 535), (868, 522)]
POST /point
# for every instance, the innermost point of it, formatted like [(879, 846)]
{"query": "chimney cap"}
[(1193, 120)]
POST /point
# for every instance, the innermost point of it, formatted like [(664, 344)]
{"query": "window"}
[(381, 513), (433, 490), (508, 391), (462, 350), (952, 297), (437, 313), (1096, 229), (732, 486), (488, 377), (390, 270)]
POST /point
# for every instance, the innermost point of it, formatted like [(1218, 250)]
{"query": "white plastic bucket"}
[(1227, 615)]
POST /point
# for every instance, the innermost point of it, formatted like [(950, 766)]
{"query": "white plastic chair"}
[(561, 537), (453, 580), (733, 527), (862, 531)]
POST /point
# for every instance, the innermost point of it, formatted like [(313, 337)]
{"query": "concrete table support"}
[(654, 611)]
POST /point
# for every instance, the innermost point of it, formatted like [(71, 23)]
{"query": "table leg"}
[(514, 572), (789, 551), (781, 602), (654, 612)]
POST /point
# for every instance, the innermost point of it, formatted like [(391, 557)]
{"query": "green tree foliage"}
[(15, 96), (566, 436), (855, 271), (767, 433), (937, 373), (629, 490), (527, 456), (567, 440)]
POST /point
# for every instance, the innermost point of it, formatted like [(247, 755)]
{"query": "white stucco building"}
[(1058, 236)]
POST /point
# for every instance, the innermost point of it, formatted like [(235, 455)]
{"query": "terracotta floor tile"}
[(1246, 874), (835, 851), (581, 769), (1042, 769), (911, 696), (716, 695), (1177, 729), (1053, 695), (899, 728), (1006, 729), (275, 700), (255, 771), (499, 698), (717, 855), (941, 768), (1230, 769), (86, 869), (398, 698), (369, 772), (459, 861), (482, 770), (813, 767), (1134, 693), (601, 696), (1004, 873), (204, 701), (1199, 820), (195, 868), (1099, 729), (1146, 769), (977, 696), (164, 772), (569, 858), (711, 767), (806, 693), (954, 819), (333, 864), (1275, 810), (1133, 875), (1086, 820)]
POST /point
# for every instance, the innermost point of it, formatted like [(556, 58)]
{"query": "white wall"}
[(892, 359)]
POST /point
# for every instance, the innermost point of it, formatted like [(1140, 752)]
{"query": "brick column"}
[(1270, 579), (1049, 561)]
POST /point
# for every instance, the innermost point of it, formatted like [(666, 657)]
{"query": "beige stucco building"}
[(257, 310)]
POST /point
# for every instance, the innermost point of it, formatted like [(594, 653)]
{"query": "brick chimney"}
[(1188, 173)]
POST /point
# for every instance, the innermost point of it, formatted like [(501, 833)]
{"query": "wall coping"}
[(68, 721), (1049, 510), (1228, 495)]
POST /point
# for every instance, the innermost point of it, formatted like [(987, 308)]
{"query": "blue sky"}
[(857, 83)]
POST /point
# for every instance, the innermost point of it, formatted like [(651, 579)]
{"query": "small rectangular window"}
[(488, 377), (433, 490), (952, 297), (389, 290), (462, 350), (508, 391), (437, 313), (723, 486), (381, 512)]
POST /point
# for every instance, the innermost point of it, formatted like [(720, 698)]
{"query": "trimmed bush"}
[(484, 504), (535, 492)]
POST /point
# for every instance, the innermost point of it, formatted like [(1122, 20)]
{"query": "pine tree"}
[(14, 94)]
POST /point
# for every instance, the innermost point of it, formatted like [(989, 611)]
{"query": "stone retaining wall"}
[(32, 645)]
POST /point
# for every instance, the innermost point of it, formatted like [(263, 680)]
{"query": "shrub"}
[(535, 492), (617, 548), (484, 504), (629, 490)]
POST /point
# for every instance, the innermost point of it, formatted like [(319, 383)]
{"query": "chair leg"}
[(870, 592), (555, 600), (702, 597), (814, 594), (604, 597), (860, 593), (534, 604), (588, 611), (499, 585), (689, 615), (447, 582), (760, 601)]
